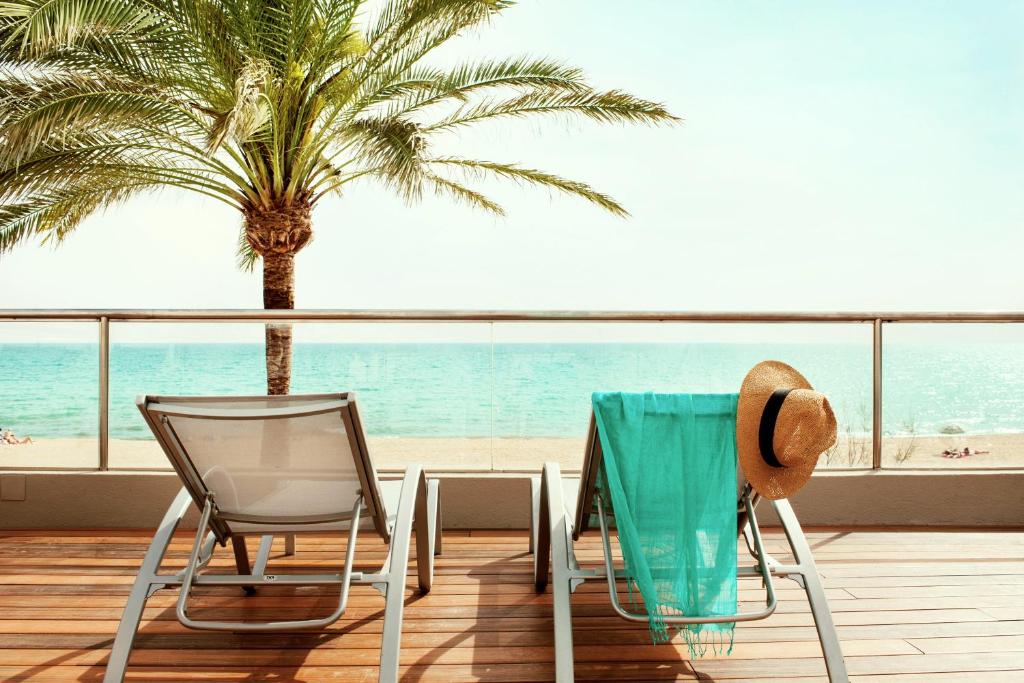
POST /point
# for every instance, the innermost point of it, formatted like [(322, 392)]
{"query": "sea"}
[(510, 390)]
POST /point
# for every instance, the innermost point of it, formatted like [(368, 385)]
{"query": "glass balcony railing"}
[(49, 395), (953, 396), (481, 392), (544, 375), (424, 391)]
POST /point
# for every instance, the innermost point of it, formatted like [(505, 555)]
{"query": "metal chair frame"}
[(553, 531), (417, 508)]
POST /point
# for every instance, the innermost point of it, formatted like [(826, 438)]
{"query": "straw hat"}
[(782, 426)]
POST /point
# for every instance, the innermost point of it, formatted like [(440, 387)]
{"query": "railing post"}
[(876, 395), (104, 393)]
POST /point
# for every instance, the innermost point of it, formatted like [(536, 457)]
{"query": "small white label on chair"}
[(270, 577)]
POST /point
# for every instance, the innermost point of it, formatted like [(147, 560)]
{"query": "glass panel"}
[(423, 391), (175, 359), (952, 395), (545, 374), (50, 397)]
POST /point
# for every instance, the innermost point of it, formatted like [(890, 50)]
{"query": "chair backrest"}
[(272, 460), (585, 507), (588, 480)]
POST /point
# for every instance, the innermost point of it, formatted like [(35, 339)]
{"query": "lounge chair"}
[(280, 465), (565, 507)]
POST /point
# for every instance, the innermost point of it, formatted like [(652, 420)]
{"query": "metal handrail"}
[(426, 315), (876, 319)]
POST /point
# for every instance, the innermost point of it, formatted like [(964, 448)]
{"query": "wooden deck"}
[(911, 607)]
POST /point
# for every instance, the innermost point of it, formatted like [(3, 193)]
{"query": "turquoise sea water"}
[(50, 390)]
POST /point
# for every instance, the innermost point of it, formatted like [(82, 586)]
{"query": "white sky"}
[(834, 156)]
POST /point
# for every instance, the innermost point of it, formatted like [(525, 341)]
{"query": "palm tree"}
[(266, 105)]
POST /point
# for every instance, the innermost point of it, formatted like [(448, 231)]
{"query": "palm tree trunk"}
[(279, 293), (277, 233)]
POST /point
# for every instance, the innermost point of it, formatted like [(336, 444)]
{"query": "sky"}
[(848, 155)]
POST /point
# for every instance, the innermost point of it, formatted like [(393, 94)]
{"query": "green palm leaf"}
[(531, 176)]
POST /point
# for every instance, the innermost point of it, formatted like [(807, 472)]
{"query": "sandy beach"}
[(528, 454)]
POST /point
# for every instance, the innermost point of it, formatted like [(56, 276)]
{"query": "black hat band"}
[(766, 430)]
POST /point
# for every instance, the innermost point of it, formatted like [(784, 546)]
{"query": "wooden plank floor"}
[(911, 606)]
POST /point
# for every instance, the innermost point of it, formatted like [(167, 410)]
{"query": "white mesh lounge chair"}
[(565, 507), (280, 465)]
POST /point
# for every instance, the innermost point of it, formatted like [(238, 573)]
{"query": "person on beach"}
[(961, 454), (8, 437)]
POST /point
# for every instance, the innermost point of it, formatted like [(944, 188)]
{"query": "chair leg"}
[(542, 544), (242, 560), (259, 567), (397, 565), (434, 503), (425, 522), (554, 519), (534, 512), (806, 569), (144, 584)]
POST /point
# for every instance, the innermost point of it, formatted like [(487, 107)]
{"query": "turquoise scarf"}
[(669, 474)]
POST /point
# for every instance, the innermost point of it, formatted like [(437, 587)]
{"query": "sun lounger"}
[(566, 507), (265, 466)]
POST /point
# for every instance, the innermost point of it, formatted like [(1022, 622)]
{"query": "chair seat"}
[(390, 489)]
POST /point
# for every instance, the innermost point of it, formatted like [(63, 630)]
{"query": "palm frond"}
[(36, 27), (52, 217), (522, 74), (58, 109), (613, 106), (395, 148), (246, 257), (401, 23), (446, 187), (405, 32), (533, 177)]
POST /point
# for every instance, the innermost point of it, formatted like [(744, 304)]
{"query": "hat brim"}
[(763, 379)]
